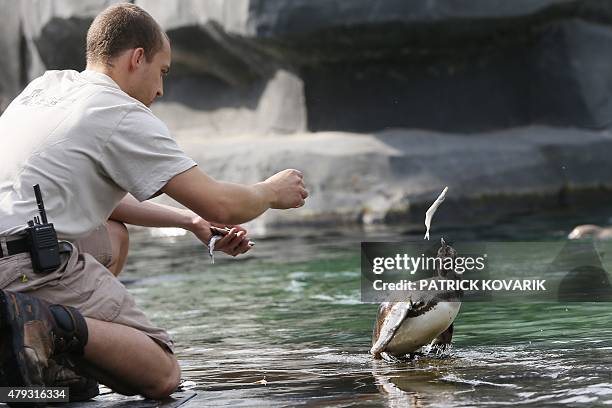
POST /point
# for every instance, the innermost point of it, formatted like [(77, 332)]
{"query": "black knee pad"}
[(70, 330)]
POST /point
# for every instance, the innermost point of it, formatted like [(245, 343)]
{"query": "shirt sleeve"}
[(141, 156)]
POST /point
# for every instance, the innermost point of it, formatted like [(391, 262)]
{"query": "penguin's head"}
[(445, 252)]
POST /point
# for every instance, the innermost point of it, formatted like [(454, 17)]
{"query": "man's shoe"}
[(31, 331), (63, 372)]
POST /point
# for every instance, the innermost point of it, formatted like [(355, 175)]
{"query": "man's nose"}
[(160, 91)]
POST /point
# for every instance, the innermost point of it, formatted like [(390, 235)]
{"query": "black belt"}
[(15, 247)]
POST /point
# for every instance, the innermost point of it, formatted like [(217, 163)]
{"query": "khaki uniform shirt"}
[(87, 143)]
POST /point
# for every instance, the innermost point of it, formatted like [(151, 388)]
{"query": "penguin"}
[(402, 328)]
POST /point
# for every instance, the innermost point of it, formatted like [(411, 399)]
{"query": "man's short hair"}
[(122, 27)]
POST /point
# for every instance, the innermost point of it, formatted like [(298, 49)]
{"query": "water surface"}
[(290, 313)]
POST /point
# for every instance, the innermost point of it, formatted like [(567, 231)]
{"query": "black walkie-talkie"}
[(42, 239)]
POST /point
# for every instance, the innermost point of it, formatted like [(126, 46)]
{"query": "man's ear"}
[(137, 58)]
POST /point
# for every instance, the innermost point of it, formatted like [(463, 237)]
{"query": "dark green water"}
[(290, 313)]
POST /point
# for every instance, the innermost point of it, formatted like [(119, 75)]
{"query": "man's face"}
[(148, 79)]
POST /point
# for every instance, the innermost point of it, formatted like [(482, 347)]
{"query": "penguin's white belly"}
[(418, 331)]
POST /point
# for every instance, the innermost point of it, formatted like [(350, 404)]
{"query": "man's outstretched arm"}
[(229, 203)]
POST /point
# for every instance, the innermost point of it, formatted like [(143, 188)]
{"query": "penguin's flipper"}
[(391, 315)]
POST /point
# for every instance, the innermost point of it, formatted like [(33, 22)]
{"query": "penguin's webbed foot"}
[(389, 358), (440, 350)]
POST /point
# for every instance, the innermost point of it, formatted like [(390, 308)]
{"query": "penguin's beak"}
[(443, 243)]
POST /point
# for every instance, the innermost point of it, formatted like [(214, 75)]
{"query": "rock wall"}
[(267, 66), (11, 76), (394, 175), (507, 94)]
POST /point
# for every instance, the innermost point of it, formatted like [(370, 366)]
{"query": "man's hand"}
[(288, 190), (234, 243)]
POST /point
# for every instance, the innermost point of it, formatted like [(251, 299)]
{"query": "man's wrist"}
[(191, 221), (267, 193)]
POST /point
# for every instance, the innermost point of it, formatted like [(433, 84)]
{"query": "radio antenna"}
[(41, 205)]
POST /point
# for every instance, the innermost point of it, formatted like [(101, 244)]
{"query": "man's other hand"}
[(288, 190), (234, 243)]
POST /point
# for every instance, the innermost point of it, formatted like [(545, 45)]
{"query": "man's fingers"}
[(226, 239), (235, 241), (242, 247), (239, 228), (238, 243)]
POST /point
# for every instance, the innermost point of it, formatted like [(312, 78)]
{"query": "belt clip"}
[(4, 247)]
